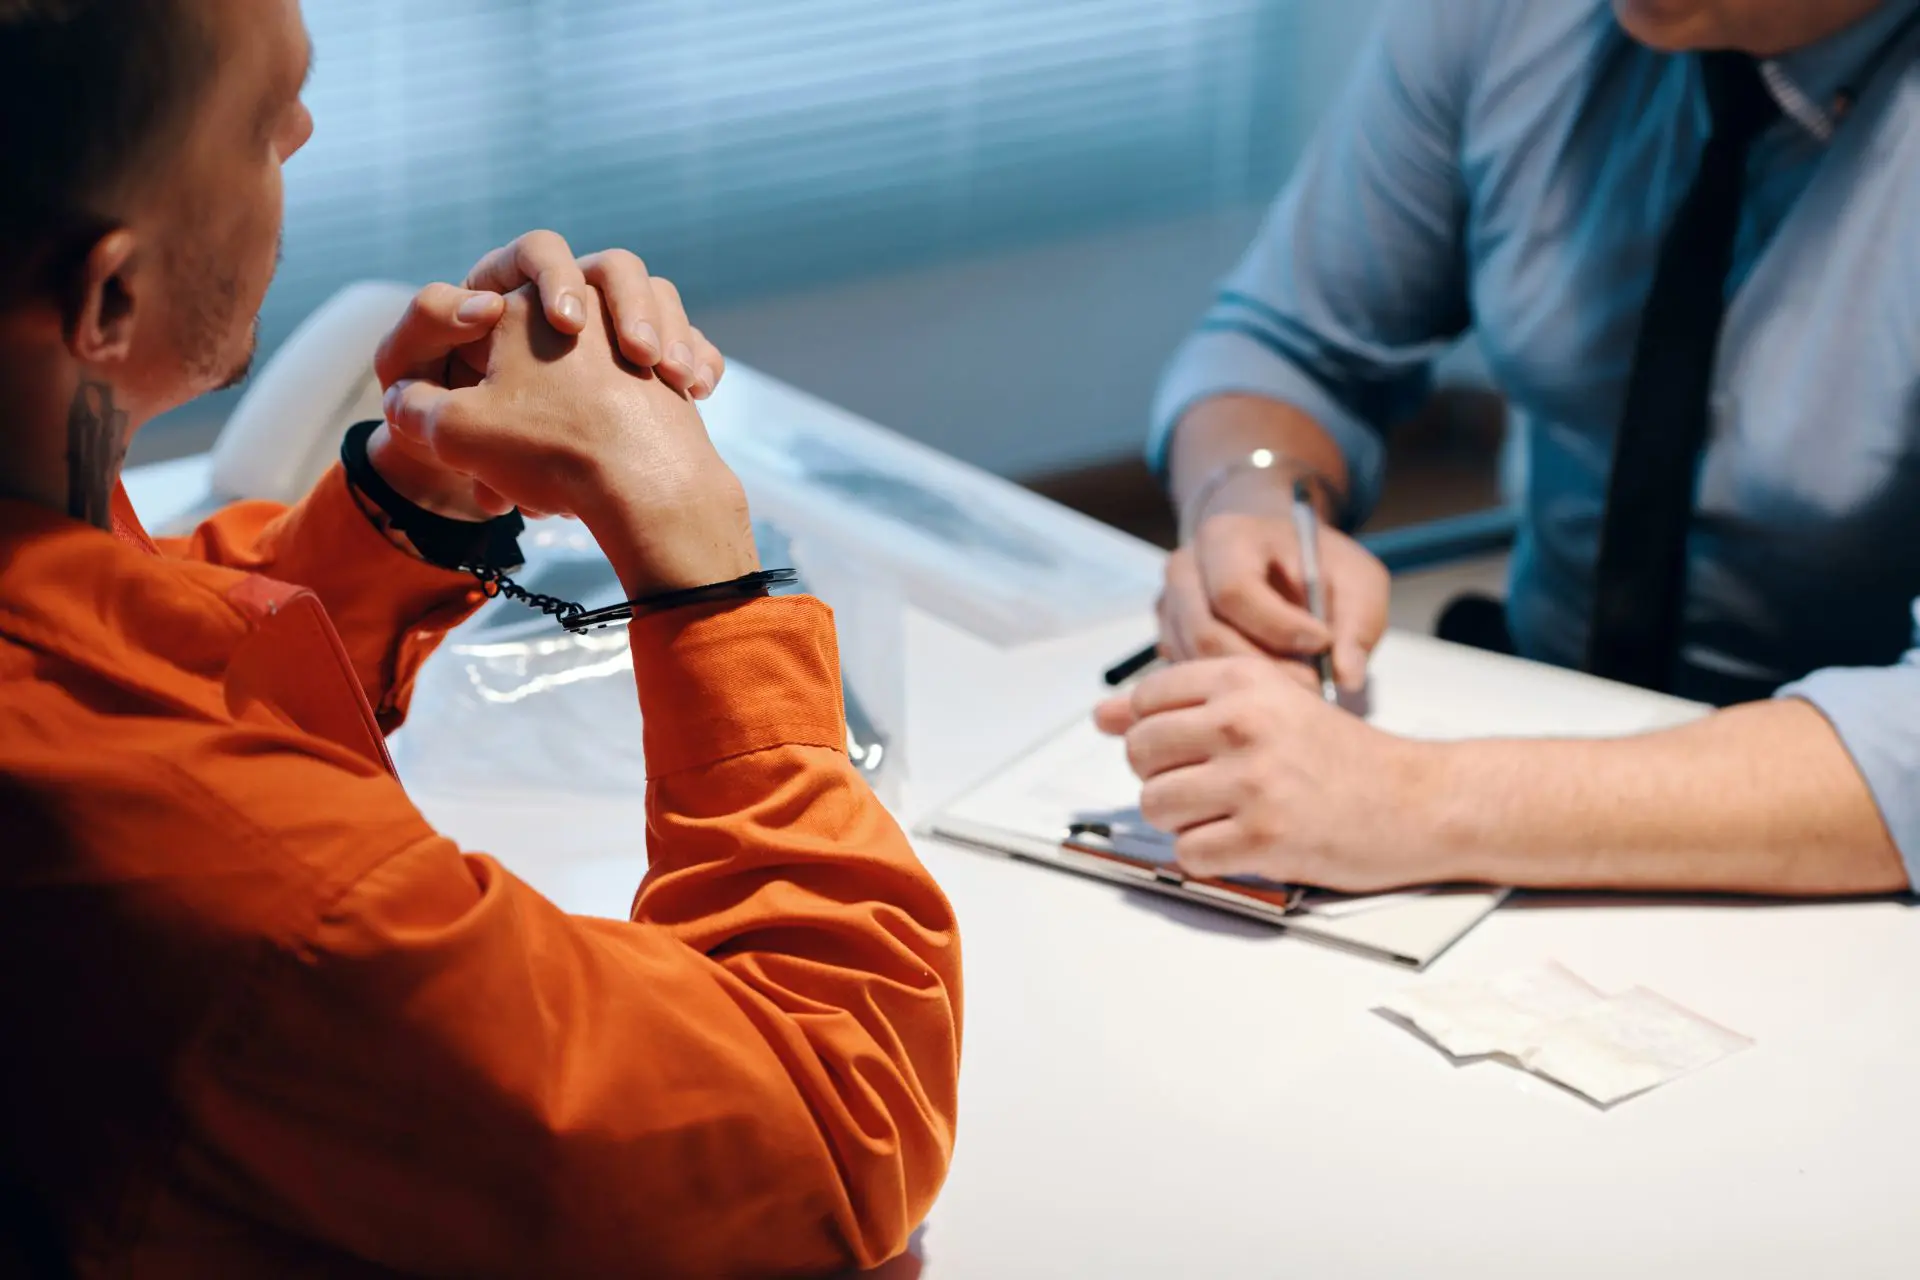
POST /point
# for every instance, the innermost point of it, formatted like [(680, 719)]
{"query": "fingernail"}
[(704, 379), (570, 309), (682, 355), (645, 335), (476, 308)]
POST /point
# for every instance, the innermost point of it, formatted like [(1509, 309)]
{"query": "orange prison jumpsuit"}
[(258, 1019)]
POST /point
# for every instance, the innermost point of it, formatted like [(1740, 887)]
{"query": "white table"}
[(1156, 1091)]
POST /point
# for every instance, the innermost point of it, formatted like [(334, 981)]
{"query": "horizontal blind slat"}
[(762, 144)]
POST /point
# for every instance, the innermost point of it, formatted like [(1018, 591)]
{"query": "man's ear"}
[(101, 306)]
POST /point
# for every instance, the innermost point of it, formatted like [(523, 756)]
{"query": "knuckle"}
[(623, 260), (1264, 826), (666, 288), (1211, 642), (418, 310), (1233, 596), (1237, 727), (436, 297), (1197, 857), (545, 243)]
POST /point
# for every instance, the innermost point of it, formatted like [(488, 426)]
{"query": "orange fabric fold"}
[(263, 1020)]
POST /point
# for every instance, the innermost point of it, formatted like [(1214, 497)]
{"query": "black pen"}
[(1127, 668)]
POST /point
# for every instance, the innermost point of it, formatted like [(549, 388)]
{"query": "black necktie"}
[(1640, 582)]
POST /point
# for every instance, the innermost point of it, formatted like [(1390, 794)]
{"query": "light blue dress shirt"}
[(1508, 167)]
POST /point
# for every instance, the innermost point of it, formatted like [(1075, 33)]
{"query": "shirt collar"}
[(1817, 73)]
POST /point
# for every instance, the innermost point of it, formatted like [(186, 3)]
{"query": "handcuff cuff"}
[(490, 550)]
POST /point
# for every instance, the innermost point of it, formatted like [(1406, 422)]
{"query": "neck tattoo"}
[(96, 445)]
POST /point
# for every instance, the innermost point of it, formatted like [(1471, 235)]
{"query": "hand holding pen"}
[(1275, 583)]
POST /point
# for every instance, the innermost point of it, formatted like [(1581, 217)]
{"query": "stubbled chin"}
[(244, 365), (1657, 25)]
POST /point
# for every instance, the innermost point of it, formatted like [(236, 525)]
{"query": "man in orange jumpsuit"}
[(256, 1017)]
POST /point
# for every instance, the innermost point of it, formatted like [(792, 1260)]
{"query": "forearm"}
[(1757, 799), (1222, 430), (769, 853)]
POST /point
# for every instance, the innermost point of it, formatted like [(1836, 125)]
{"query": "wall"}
[(1038, 360), (1024, 362)]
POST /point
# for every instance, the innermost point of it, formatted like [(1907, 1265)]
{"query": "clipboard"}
[(1069, 805)]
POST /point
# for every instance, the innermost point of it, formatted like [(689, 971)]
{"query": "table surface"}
[(1155, 1090)]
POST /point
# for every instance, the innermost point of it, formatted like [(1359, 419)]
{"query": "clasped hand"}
[(566, 397)]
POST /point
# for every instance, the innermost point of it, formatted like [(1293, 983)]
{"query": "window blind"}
[(747, 147)]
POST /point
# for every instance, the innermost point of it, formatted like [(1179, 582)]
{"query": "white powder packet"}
[(1628, 1044), (1549, 1021), (1477, 1017)]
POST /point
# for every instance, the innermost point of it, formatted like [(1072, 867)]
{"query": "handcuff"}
[(490, 550)]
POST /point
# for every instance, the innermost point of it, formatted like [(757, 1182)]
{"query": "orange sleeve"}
[(756, 1075), (390, 608)]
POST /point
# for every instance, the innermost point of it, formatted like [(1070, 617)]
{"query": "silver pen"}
[(1306, 522)]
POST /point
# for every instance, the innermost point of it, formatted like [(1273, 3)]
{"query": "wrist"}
[(420, 481), (657, 545), (1261, 484), (1444, 816)]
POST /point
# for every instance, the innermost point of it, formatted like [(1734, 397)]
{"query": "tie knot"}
[(1737, 97)]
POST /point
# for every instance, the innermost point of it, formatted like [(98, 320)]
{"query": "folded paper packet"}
[(1546, 1020)]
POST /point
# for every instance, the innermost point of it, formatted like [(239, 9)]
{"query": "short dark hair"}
[(91, 92)]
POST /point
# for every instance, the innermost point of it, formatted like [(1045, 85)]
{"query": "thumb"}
[(1287, 575), (440, 319), (1115, 715), (422, 411)]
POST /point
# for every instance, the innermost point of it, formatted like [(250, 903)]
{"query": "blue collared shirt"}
[(1508, 167)]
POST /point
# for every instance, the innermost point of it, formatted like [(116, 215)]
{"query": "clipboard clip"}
[(1098, 839)]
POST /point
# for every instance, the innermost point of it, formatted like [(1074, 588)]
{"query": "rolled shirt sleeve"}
[(1876, 712), (1357, 280)]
